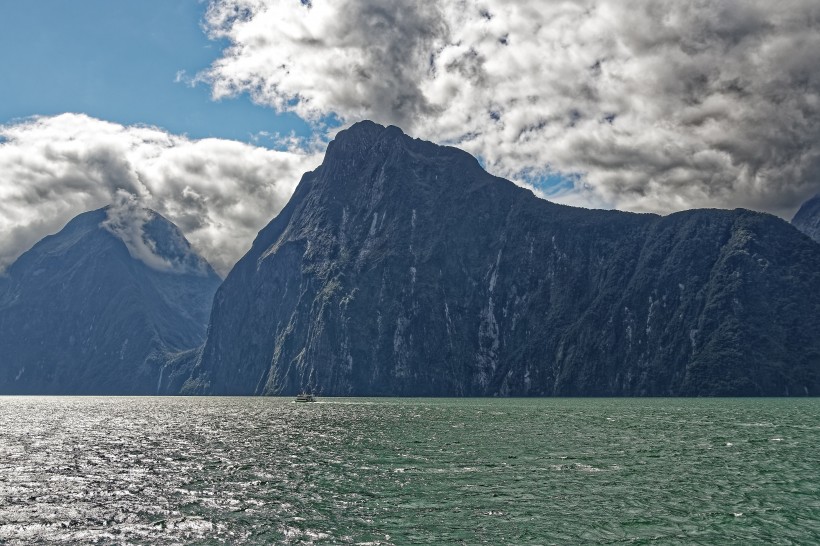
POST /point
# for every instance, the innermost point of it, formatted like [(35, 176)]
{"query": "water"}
[(409, 471)]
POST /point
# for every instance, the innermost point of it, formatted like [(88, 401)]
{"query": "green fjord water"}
[(409, 471)]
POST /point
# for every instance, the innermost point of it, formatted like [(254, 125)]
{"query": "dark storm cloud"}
[(362, 55), (655, 105)]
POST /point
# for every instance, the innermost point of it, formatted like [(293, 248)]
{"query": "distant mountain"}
[(400, 267), (99, 307), (807, 218)]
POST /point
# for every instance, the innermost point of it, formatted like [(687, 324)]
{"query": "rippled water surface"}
[(409, 471)]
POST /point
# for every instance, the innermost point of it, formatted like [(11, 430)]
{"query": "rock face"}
[(400, 267), (807, 218), (91, 311)]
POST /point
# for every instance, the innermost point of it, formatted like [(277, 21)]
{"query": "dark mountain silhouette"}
[(400, 267), (79, 314)]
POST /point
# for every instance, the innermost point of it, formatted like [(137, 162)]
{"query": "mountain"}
[(400, 267), (100, 306), (807, 218)]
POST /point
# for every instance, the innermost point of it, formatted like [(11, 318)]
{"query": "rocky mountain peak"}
[(97, 307), (152, 239), (807, 218), (382, 164)]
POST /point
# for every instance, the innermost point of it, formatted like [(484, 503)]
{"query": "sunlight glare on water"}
[(408, 471)]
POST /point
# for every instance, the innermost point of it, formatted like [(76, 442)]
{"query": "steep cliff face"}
[(807, 218), (91, 310), (402, 268)]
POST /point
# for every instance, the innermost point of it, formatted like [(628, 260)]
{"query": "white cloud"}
[(153, 242), (656, 105), (219, 192), (126, 219)]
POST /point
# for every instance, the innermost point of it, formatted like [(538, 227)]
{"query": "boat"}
[(305, 397)]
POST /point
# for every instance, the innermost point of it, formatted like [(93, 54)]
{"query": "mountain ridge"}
[(400, 267), (79, 314)]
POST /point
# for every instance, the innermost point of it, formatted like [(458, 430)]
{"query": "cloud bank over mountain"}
[(219, 192), (637, 105), (645, 105)]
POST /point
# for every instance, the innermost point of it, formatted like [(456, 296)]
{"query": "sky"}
[(210, 111), (118, 60)]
